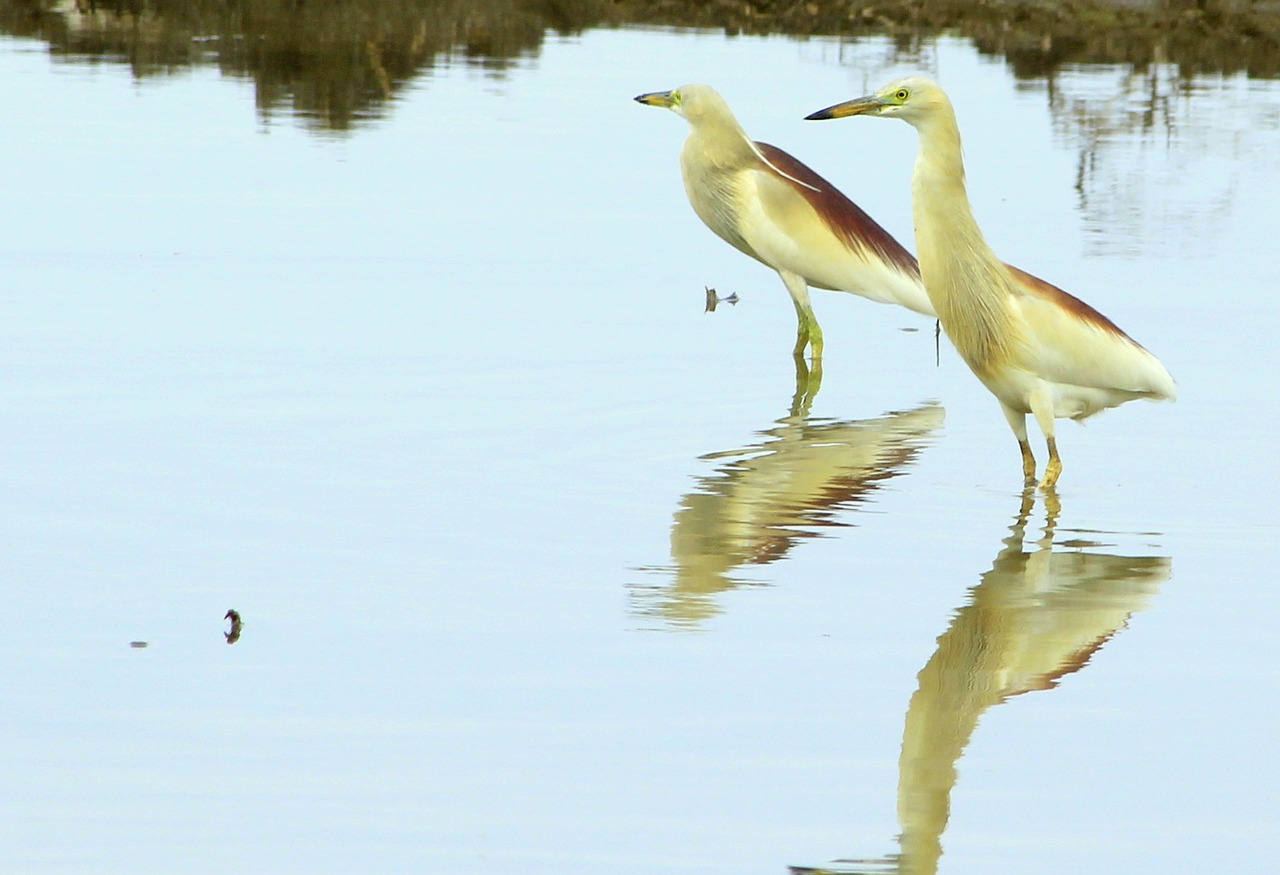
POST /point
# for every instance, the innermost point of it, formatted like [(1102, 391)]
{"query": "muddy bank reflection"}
[(1042, 612), (769, 495), (331, 64), (334, 65), (1036, 38)]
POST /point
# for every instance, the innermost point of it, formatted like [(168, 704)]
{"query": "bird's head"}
[(695, 103), (914, 100)]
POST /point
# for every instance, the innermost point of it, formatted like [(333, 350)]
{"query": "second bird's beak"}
[(657, 98), (857, 106)]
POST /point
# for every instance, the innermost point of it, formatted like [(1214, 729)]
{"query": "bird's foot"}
[(1052, 472)]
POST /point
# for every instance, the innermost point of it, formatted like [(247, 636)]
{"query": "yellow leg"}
[(1042, 409), (802, 337), (808, 333), (1028, 462), (815, 338), (1052, 470), (1018, 422)]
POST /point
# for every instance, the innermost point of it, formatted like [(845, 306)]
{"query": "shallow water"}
[(544, 569)]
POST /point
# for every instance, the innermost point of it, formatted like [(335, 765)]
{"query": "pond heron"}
[(1038, 349), (767, 204)]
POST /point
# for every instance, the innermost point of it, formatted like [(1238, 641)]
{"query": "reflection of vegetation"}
[(338, 62), (1037, 36), (766, 497), (1037, 616), (334, 62), (1160, 157)]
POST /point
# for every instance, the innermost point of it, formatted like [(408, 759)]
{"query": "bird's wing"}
[(1072, 343), (783, 180)]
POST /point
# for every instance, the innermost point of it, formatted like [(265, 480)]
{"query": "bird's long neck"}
[(711, 160), (967, 284), (720, 144)]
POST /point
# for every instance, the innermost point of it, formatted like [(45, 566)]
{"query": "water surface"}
[(544, 569)]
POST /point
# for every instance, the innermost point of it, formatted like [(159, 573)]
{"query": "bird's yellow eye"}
[(675, 98), (901, 94)]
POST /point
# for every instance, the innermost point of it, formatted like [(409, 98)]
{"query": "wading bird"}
[(1038, 349), (775, 209)]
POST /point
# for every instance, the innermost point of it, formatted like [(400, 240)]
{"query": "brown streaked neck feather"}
[(714, 153), (967, 284)]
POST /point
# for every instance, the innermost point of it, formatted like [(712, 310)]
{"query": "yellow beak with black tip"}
[(858, 106), (658, 98)]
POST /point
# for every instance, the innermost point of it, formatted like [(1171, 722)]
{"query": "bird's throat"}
[(967, 284)]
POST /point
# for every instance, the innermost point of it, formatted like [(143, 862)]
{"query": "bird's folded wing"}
[(791, 179), (1072, 343)]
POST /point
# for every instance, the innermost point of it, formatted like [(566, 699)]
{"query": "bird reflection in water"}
[(767, 496), (1038, 615)]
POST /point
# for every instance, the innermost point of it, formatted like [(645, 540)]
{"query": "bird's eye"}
[(901, 94), (675, 98)]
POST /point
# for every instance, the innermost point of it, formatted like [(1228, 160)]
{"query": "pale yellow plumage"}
[(775, 209), (1036, 348)]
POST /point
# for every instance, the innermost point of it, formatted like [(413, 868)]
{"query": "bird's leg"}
[(1052, 470), (1018, 422), (801, 401), (815, 339), (1042, 409), (802, 336), (1028, 462), (808, 332)]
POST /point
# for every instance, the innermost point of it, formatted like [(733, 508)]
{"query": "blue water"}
[(541, 569)]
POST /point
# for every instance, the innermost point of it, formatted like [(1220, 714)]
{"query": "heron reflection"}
[(1041, 612), (765, 497)]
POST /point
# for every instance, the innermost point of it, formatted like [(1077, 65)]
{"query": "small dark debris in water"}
[(713, 299), (909, 330), (137, 645), (234, 634)]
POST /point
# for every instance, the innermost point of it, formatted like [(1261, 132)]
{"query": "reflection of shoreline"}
[(1038, 615), (332, 65), (1035, 38), (766, 497), (336, 65)]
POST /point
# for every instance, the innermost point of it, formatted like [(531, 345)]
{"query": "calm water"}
[(542, 568)]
